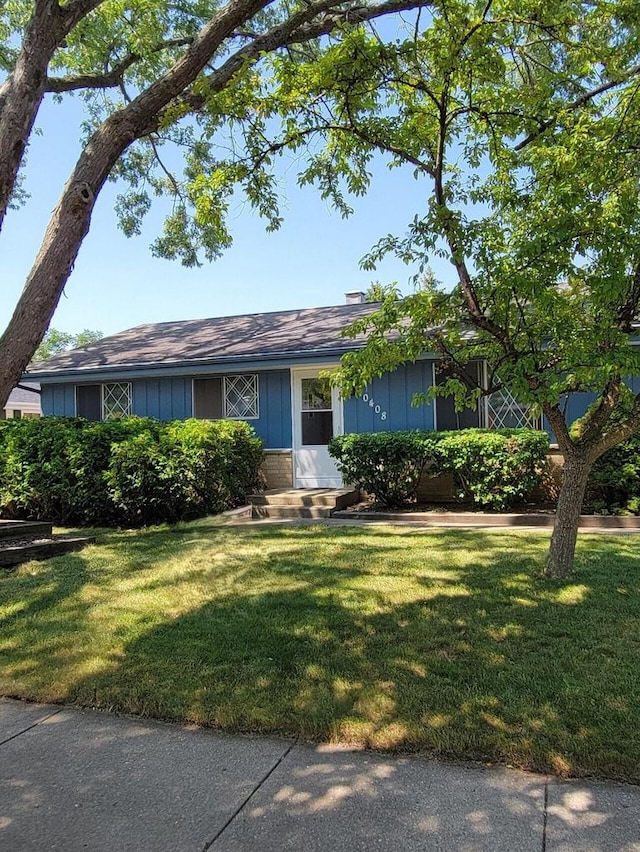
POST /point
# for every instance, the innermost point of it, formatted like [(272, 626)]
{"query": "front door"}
[(317, 417)]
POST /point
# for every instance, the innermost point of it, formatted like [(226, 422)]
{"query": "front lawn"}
[(446, 642)]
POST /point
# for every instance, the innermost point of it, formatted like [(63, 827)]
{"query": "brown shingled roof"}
[(312, 330)]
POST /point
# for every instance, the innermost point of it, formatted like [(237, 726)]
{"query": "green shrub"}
[(140, 481), (36, 478), (614, 483), (493, 468), (92, 455), (127, 471), (388, 465)]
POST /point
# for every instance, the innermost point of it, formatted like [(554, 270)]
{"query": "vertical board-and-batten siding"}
[(171, 399), (58, 400), (163, 399), (274, 423), (393, 393)]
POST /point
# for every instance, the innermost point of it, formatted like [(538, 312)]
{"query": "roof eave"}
[(223, 361)]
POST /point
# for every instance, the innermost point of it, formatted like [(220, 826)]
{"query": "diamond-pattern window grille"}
[(241, 397), (505, 412), (116, 400)]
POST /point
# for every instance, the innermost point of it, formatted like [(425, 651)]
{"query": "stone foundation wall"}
[(277, 469)]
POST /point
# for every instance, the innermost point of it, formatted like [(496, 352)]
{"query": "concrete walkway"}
[(82, 780)]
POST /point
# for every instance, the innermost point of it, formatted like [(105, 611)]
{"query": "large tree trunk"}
[(22, 92), (71, 219), (565, 531)]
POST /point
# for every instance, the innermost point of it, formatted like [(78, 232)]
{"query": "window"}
[(89, 402), (501, 410), (116, 400), (207, 398), (447, 418), (316, 412), (505, 412), (234, 397), (241, 397), (103, 402)]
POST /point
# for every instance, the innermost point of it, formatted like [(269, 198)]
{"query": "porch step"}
[(301, 502), (15, 554), (25, 529), (291, 512), (21, 541)]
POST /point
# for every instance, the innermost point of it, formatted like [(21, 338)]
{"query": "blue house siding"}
[(58, 400), (164, 399), (171, 399), (274, 423), (386, 404)]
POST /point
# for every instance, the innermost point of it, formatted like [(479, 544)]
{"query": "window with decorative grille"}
[(241, 397), (505, 412), (116, 400)]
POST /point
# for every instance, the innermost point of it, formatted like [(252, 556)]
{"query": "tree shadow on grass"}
[(40, 603), (474, 668), (477, 660)]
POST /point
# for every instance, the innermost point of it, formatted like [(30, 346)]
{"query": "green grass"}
[(447, 642)]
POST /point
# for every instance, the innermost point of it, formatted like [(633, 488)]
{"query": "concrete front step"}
[(25, 529), (301, 502), (291, 512), (334, 498)]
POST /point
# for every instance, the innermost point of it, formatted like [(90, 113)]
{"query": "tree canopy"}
[(178, 98), (523, 119), (54, 342)]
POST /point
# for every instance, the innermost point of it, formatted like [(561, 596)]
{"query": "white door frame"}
[(320, 469)]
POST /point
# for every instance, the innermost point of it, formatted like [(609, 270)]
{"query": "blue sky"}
[(116, 283)]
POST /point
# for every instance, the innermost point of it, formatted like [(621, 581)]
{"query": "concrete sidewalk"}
[(76, 780)]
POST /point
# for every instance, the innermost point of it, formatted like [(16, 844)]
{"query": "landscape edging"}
[(466, 519)]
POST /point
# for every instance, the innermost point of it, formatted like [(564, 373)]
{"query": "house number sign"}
[(372, 404)]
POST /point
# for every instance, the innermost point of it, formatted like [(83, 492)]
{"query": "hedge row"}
[(491, 468), (131, 471)]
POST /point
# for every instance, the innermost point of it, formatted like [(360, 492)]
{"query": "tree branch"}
[(582, 100), (70, 220), (22, 92), (109, 79), (556, 418), (620, 433), (599, 417), (74, 11), (298, 29)]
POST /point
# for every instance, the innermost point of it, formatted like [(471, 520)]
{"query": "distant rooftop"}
[(21, 398)]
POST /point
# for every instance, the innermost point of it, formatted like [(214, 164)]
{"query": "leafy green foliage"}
[(55, 342), (36, 471), (491, 468), (133, 471), (614, 484), (387, 465), (378, 292), (523, 121)]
